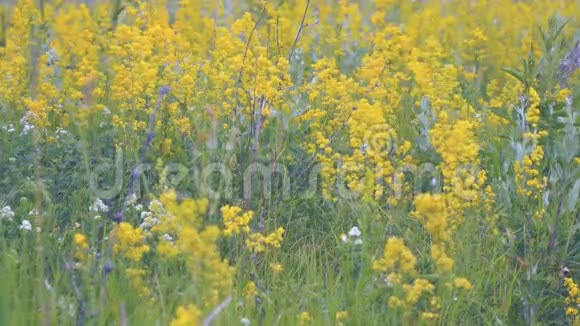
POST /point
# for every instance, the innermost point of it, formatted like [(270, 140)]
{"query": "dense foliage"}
[(289, 162)]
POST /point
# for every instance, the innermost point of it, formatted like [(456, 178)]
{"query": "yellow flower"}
[(234, 222), (462, 283), (277, 268), (186, 316), (304, 318), (396, 257), (80, 241), (129, 241), (341, 316), (259, 243)]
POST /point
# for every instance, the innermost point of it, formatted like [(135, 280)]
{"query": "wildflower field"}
[(290, 162)]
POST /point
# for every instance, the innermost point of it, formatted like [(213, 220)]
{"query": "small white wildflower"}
[(148, 223), (26, 226), (33, 212), (145, 215), (102, 124), (354, 232), (61, 133), (344, 238), (358, 242), (98, 206), (6, 213), (132, 199), (38, 230), (156, 207), (106, 111), (245, 321), (168, 237), (77, 225), (26, 129), (9, 128), (139, 207)]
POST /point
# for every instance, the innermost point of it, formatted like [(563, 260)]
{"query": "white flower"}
[(6, 213), (38, 230), (77, 225), (61, 133), (344, 238), (98, 206), (245, 321), (26, 129), (132, 199), (26, 226), (354, 232), (9, 128), (156, 207), (33, 212), (168, 237), (139, 207), (357, 242), (145, 215)]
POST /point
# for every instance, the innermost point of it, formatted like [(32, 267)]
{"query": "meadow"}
[(290, 162)]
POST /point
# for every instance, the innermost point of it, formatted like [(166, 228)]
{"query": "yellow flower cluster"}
[(234, 222), (187, 316), (258, 243), (572, 300), (81, 246), (129, 241), (197, 245), (396, 258)]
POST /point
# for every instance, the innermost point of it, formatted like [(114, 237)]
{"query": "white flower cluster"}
[(98, 206), (9, 128), (354, 236), (26, 225), (150, 218), (61, 133), (6, 213), (27, 126)]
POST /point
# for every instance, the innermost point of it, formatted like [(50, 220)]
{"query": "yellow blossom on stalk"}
[(395, 302), (250, 292), (304, 318), (533, 113), (341, 316), (396, 257), (572, 300), (528, 178), (462, 283), (194, 243), (442, 261), (234, 222), (129, 241), (432, 211), (277, 268), (137, 278), (416, 290), (259, 243), (81, 246), (187, 316)]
